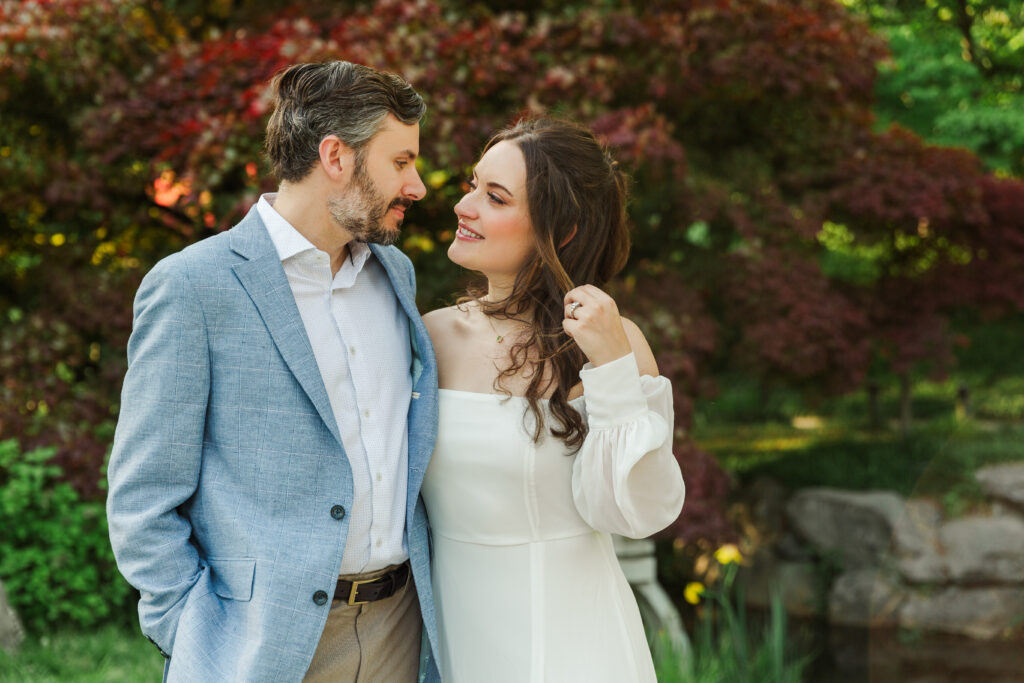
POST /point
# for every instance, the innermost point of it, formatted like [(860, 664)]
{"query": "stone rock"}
[(864, 597), (795, 582), (984, 550), (1003, 482), (856, 526), (11, 632), (916, 543), (981, 613), (917, 528)]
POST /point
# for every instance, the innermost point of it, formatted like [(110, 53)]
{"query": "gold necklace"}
[(500, 337)]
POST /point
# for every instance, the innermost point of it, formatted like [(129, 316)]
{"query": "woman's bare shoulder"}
[(446, 322)]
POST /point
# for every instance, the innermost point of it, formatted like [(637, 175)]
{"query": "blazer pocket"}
[(232, 577)]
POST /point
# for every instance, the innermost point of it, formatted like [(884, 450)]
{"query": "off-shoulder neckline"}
[(481, 395)]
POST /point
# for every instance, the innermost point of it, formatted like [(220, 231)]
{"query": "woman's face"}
[(494, 235)]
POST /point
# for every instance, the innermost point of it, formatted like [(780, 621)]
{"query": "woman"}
[(539, 457)]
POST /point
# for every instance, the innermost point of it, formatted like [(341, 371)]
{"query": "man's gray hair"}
[(312, 101)]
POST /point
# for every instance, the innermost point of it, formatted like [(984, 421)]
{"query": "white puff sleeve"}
[(625, 479)]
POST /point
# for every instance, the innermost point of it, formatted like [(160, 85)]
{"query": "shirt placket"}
[(369, 411), (340, 389)]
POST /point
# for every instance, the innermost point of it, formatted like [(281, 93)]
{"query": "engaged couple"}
[(309, 482)]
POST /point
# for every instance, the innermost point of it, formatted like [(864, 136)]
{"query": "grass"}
[(935, 461), (829, 443), (111, 654)]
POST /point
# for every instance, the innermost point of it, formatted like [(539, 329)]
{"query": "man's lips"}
[(400, 206)]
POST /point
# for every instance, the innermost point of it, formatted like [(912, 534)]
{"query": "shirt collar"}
[(288, 241)]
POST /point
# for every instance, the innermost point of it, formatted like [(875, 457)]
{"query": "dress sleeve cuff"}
[(612, 392)]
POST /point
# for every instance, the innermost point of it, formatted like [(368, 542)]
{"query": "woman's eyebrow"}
[(501, 187), (497, 185)]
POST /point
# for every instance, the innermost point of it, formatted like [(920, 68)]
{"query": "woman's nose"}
[(464, 208)]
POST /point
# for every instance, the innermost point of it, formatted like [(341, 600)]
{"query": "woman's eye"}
[(495, 198)]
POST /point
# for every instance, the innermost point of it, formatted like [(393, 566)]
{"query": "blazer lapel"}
[(404, 291), (423, 409), (264, 280)]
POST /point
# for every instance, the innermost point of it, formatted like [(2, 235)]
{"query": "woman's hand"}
[(592, 320)]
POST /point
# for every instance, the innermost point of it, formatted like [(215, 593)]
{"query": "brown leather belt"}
[(384, 586)]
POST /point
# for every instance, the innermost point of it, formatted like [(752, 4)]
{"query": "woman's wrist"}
[(612, 391)]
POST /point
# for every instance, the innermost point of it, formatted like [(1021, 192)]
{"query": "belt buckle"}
[(355, 589)]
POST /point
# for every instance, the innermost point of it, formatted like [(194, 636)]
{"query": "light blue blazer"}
[(227, 464)]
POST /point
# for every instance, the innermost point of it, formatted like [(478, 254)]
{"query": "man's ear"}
[(569, 238), (336, 158)]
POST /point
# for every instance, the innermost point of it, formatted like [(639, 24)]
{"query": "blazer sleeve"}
[(155, 462), (625, 478)]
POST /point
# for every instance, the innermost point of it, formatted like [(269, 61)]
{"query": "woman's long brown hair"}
[(572, 182)]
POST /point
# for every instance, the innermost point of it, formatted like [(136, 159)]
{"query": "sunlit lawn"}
[(829, 443), (111, 654), (936, 462)]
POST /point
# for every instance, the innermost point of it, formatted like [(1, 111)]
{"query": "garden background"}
[(828, 237)]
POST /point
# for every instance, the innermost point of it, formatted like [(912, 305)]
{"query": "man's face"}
[(384, 184)]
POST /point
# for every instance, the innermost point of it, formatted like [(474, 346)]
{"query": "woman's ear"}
[(569, 238)]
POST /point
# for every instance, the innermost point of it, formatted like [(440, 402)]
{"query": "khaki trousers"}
[(376, 641)]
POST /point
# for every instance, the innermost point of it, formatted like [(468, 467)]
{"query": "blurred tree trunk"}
[(874, 416), (906, 412)]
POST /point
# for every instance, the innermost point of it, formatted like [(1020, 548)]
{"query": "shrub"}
[(55, 557)]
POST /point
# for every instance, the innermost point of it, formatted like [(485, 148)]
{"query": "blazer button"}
[(337, 512), (320, 597)]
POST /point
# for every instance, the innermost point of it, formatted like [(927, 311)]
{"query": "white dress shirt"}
[(360, 338)]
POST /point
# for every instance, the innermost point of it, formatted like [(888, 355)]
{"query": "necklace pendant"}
[(500, 338)]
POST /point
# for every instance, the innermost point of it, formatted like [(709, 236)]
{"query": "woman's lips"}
[(464, 233)]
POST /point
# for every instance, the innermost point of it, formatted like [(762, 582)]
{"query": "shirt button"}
[(380, 542), (352, 350), (380, 477), (320, 598), (337, 512), (366, 413)]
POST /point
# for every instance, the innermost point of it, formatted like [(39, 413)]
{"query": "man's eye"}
[(401, 164)]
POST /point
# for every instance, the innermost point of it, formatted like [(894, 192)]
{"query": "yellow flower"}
[(728, 554), (693, 591)]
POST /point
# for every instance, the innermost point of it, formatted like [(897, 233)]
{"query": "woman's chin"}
[(458, 255)]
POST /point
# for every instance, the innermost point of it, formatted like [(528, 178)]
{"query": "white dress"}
[(527, 587)]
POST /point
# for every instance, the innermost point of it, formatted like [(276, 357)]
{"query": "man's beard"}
[(362, 208)]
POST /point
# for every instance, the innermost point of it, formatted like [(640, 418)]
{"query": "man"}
[(280, 408)]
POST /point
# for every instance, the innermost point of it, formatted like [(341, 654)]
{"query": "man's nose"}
[(415, 189)]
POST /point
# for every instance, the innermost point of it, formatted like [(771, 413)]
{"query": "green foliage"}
[(956, 74), (110, 654), (55, 558), (729, 646)]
